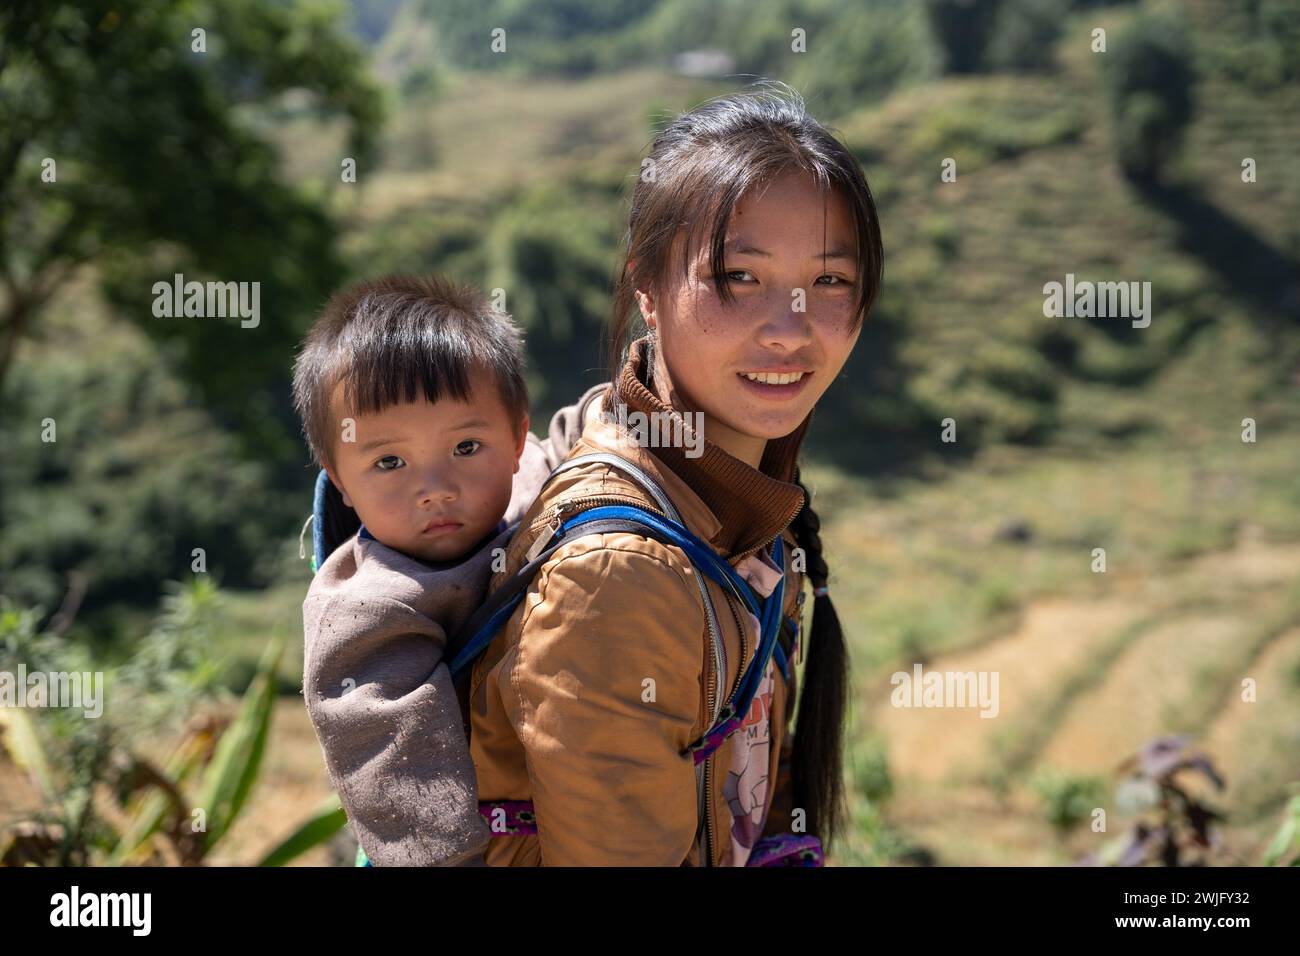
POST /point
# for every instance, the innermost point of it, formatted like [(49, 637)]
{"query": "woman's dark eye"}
[(838, 280), (469, 441), (394, 462), (737, 272)]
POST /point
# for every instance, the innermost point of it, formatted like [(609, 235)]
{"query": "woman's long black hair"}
[(698, 169)]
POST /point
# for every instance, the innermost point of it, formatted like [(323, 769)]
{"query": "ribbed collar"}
[(752, 505)]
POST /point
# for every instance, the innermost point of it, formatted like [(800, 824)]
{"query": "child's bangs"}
[(405, 360)]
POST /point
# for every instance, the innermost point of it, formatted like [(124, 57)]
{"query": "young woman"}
[(754, 256)]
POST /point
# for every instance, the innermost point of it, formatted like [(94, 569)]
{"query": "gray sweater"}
[(376, 625)]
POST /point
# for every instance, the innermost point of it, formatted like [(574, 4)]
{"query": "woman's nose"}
[(787, 323)]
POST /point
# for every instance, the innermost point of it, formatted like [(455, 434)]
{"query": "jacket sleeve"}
[(387, 718), (604, 694)]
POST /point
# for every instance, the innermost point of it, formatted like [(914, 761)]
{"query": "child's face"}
[(448, 464)]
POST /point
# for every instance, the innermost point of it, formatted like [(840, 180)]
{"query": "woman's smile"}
[(775, 386)]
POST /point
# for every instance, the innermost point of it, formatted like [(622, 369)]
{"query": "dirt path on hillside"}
[(1141, 692)]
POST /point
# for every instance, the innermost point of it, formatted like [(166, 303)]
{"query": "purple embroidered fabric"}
[(787, 849), (519, 817)]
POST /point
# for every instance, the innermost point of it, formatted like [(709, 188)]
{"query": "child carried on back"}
[(413, 400)]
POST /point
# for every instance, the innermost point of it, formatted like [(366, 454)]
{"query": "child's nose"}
[(438, 488)]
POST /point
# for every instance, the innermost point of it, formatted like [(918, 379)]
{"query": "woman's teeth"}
[(774, 378)]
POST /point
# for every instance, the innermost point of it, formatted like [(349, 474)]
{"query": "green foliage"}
[(138, 476), (1026, 33), (963, 129), (1150, 78), (77, 760), (1284, 849), (238, 757), (1278, 23), (555, 255), (1067, 799), (856, 51), (550, 35), (171, 668), (160, 170), (963, 29), (1257, 45), (325, 821), (870, 770), (847, 67), (1002, 391), (158, 690)]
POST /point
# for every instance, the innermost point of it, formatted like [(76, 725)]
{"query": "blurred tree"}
[(864, 60), (1025, 34), (963, 29), (1150, 79), (137, 479), (1279, 22), (551, 252), (1263, 43), (128, 139), (855, 49)]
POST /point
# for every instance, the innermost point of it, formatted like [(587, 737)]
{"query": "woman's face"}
[(791, 256)]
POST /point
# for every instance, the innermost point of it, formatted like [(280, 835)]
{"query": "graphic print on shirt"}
[(746, 784)]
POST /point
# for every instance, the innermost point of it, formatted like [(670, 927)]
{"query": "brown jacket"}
[(606, 671)]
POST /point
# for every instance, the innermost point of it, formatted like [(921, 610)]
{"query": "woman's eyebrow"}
[(748, 250)]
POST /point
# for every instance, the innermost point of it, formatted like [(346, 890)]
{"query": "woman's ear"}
[(645, 302), (337, 484)]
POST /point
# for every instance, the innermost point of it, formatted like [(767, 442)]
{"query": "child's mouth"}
[(440, 526)]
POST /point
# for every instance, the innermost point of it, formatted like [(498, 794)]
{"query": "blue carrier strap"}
[(318, 554), (779, 652), (769, 613), (332, 522), (483, 625)]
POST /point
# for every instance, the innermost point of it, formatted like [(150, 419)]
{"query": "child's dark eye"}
[(389, 462), (469, 441)]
